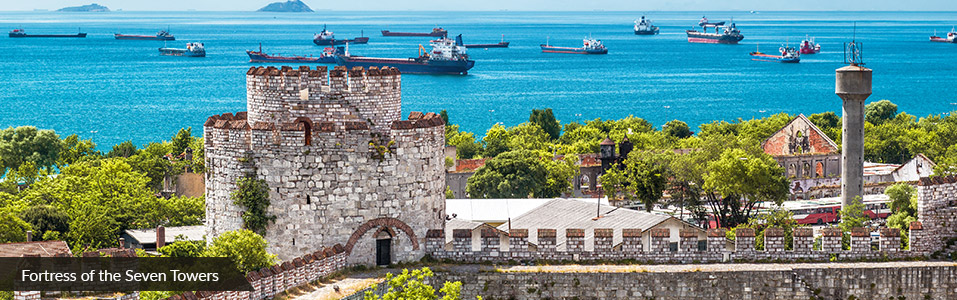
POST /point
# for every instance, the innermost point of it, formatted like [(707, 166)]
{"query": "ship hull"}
[(647, 32), (942, 40), (498, 45), (569, 50), (263, 58), (774, 58), (180, 52), (434, 34), (409, 65), (334, 42), (713, 38), (78, 35), (143, 37)]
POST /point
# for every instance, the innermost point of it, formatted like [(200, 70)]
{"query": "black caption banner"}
[(120, 274)]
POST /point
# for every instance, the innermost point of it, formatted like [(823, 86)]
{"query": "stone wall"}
[(658, 250), (340, 165), (937, 211), (899, 280)]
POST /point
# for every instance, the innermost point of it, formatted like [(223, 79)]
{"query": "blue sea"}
[(112, 91)]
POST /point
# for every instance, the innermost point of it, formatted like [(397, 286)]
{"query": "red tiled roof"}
[(43, 249)]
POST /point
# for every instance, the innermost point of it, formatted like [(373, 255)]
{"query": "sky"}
[(519, 5)]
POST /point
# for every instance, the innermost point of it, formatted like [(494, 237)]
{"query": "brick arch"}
[(381, 222)]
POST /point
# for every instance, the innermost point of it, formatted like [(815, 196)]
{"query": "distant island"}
[(288, 6), (86, 8)]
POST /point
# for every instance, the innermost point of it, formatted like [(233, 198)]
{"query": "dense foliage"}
[(66, 190), (252, 194), (246, 248), (903, 207), (412, 285), (523, 174)]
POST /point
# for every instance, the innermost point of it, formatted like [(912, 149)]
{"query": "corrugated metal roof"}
[(496, 210), (148, 236), (41, 248), (561, 214)]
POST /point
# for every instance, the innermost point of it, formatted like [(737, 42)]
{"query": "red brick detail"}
[(379, 222), (803, 232), (687, 233), (660, 232), (832, 232), (518, 233), (549, 233), (604, 232), (860, 232), (574, 232), (744, 232), (774, 232), (717, 232), (631, 232), (469, 165)]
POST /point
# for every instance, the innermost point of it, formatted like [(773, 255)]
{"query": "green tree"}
[(643, 177), (495, 141), (411, 285), (448, 193), (252, 195), (560, 173), (12, 228), (903, 206), (527, 136), (880, 111), (28, 144), (465, 145), (124, 149), (546, 121), (853, 215), (732, 179), (46, 218), (183, 248), (74, 149), (677, 129), (445, 117), (829, 123), (513, 174), (244, 247), (776, 217), (181, 140)]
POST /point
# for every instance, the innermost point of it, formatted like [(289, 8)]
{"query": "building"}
[(803, 150), (38, 249), (340, 164), (149, 239), (561, 214)]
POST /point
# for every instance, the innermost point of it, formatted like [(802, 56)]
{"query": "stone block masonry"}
[(659, 251), (341, 166), (891, 280)]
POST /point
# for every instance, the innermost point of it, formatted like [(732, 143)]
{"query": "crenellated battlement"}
[(654, 247), (281, 95), (937, 209)]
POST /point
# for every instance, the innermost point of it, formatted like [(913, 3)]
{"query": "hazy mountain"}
[(288, 6), (86, 8)]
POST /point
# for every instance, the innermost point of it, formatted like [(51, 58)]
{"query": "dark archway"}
[(378, 223), (306, 128)]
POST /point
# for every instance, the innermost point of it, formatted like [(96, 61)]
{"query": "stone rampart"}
[(937, 211), (893, 280), (658, 251)]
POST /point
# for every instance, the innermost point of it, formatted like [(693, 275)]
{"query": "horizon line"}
[(498, 10)]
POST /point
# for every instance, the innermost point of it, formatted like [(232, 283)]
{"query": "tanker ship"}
[(20, 33), (436, 32), (162, 35), (447, 57), (722, 34)]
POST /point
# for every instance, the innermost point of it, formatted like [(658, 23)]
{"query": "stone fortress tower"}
[(341, 166)]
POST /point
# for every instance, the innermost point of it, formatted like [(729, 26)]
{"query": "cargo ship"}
[(808, 46), (644, 27), (951, 37), (436, 32), (327, 57), (162, 35), (502, 44), (20, 33), (192, 50), (722, 34), (589, 46), (788, 55), (326, 38), (447, 57)]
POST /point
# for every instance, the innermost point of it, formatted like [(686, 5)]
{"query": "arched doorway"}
[(383, 246)]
